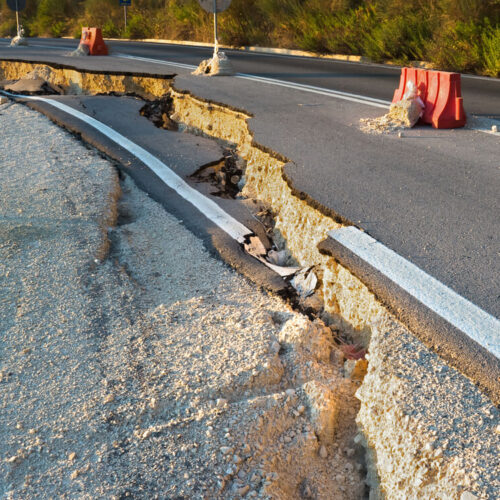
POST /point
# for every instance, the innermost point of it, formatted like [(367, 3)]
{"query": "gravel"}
[(133, 363)]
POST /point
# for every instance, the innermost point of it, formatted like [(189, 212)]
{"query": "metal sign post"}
[(17, 20), (125, 3), (216, 41), (17, 6), (215, 6)]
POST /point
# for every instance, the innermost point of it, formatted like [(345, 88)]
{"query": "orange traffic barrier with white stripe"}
[(441, 94)]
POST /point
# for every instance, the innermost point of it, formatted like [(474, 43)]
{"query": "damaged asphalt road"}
[(416, 195), (211, 167), (126, 122), (195, 158), (217, 175)]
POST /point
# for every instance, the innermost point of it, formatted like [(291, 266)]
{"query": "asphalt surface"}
[(432, 196), (184, 154), (481, 95)]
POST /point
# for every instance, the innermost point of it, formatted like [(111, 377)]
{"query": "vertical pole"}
[(125, 14), (216, 42), (17, 20)]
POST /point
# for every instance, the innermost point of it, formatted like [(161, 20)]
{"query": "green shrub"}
[(457, 47), (50, 18), (77, 32), (58, 29), (186, 20), (8, 28), (243, 24), (400, 38), (137, 28), (491, 51), (98, 12), (110, 30), (347, 31)]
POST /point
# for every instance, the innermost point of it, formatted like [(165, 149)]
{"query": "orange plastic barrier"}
[(441, 93), (92, 38)]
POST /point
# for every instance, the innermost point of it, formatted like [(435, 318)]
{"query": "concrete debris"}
[(33, 86), (218, 65), (282, 271), (305, 282), (224, 176), (39, 72), (81, 51), (323, 407), (277, 257), (403, 114), (19, 41), (3, 100), (255, 247)]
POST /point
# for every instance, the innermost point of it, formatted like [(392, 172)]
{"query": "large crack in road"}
[(443, 468)]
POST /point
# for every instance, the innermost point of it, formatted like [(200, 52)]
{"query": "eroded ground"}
[(134, 363)]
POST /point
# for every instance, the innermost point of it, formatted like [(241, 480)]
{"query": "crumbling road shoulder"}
[(134, 363)]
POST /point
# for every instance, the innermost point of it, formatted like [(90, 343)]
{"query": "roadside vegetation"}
[(459, 35)]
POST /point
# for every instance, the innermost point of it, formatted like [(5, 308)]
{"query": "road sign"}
[(125, 3), (16, 5), (212, 5)]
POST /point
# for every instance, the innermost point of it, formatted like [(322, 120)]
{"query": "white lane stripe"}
[(459, 312), (157, 61), (206, 206), (57, 47), (282, 83), (379, 103)]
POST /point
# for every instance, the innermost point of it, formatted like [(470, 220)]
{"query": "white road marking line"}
[(379, 103), (157, 61), (393, 67), (57, 47), (456, 310), (282, 83), (206, 206), (370, 101)]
